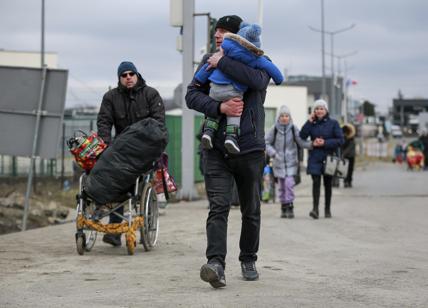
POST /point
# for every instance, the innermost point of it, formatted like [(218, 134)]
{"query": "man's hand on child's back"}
[(232, 107)]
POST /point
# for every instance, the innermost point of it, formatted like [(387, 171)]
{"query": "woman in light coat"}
[(282, 145)]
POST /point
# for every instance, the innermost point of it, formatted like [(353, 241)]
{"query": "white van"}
[(396, 131)]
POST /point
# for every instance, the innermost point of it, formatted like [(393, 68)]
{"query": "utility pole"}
[(342, 104), (188, 191), (32, 168), (323, 91), (347, 96), (332, 90), (260, 19), (42, 44), (208, 29)]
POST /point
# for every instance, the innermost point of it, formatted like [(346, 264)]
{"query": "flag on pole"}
[(350, 82)]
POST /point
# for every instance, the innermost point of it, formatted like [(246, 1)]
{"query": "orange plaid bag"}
[(86, 149)]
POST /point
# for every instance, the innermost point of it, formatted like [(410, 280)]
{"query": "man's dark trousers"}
[(247, 169)]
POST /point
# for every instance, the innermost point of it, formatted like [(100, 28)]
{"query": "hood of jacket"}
[(244, 43), (348, 130)]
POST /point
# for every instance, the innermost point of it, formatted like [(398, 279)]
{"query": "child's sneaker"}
[(210, 127), (231, 142), (207, 140), (231, 145)]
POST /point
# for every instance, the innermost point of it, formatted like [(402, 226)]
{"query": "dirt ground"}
[(49, 203)]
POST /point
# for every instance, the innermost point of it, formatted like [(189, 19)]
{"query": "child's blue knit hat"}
[(251, 32)]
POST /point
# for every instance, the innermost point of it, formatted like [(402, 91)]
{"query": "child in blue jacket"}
[(245, 48)]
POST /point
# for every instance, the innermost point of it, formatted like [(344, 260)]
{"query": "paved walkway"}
[(373, 253)]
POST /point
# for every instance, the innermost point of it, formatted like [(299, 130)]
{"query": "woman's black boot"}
[(327, 212), (314, 212)]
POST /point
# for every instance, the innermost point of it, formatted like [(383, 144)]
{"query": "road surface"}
[(372, 253)]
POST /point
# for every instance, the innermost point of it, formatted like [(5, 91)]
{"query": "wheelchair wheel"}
[(149, 209), (90, 235), (80, 244)]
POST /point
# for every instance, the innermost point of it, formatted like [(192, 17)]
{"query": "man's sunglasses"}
[(124, 75)]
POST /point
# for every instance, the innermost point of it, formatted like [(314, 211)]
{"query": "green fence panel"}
[(174, 124)]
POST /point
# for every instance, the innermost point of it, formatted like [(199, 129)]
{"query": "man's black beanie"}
[(230, 23)]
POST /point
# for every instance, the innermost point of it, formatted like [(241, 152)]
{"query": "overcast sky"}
[(93, 37)]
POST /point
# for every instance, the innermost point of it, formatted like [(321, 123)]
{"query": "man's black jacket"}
[(122, 107), (251, 136)]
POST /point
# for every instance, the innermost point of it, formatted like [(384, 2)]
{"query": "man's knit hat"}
[(230, 23), (321, 103), (250, 32), (125, 67)]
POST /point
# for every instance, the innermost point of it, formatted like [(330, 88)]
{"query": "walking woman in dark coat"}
[(326, 136)]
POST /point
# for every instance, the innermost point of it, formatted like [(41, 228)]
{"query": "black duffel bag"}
[(132, 153)]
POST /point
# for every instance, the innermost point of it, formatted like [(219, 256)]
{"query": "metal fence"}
[(11, 166), (64, 163)]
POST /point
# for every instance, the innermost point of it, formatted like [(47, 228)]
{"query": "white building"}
[(294, 97), (27, 58)]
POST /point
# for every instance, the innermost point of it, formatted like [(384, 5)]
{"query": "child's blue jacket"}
[(234, 49)]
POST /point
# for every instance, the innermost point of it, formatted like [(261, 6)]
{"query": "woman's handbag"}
[(336, 166), (297, 177), (163, 181)]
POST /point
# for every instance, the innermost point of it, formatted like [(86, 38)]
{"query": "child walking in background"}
[(245, 48), (282, 145)]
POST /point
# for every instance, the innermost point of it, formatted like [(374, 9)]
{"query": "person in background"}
[(326, 136), (131, 101), (282, 145), (349, 152), (424, 140)]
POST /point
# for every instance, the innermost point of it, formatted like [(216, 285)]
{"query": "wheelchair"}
[(141, 216)]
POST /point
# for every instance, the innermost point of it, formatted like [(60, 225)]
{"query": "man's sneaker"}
[(112, 239), (213, 273), (231, 144), (249, 271), (206, 141)]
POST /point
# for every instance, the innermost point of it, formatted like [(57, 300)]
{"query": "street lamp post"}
[(188, 119), (260, 13), (323, 91), (345, 77), (332, 34), (343, 103)]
